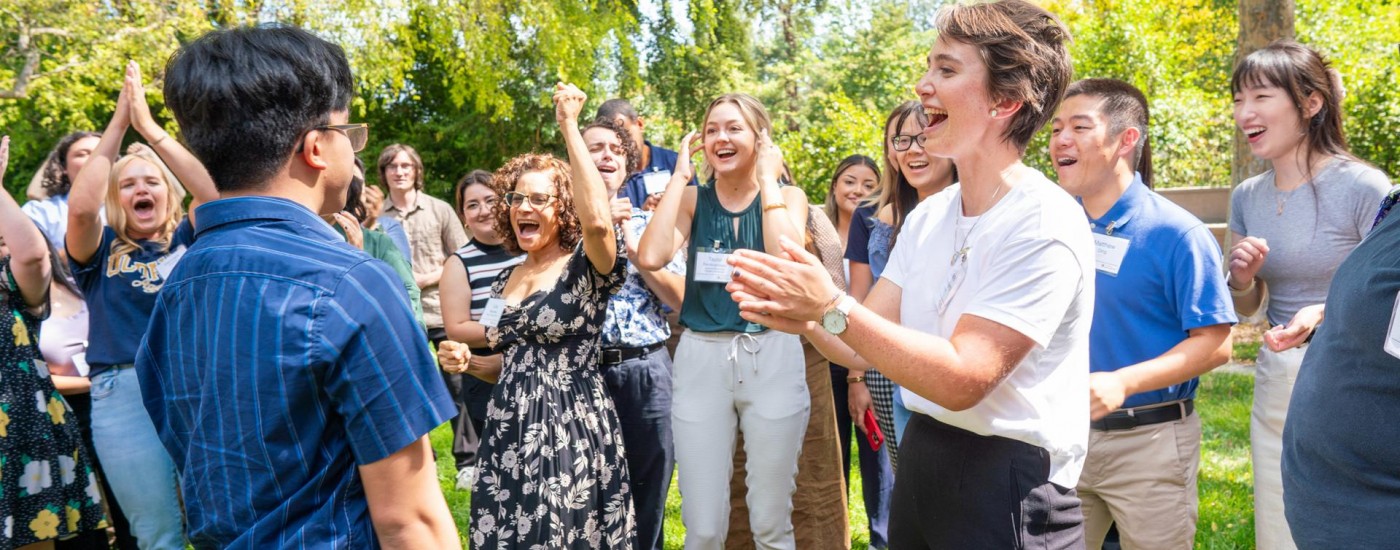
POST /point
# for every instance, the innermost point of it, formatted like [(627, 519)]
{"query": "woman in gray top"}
[(1291, 227)]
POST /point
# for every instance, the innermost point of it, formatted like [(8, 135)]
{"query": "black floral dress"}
[(47, 486), (552, 472)]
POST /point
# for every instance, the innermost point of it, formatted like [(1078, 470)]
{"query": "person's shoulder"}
[(1253, 183), (1165, 215), (1361, 176)]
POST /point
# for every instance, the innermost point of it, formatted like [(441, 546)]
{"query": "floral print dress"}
[(47, 487), (552, 472)]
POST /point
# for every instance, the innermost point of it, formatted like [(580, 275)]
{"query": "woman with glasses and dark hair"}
[(552, 471), (120, 269)]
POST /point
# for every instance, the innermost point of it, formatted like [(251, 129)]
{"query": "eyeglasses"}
[(537, 200), (902, 143), (358, 134), (488, 204)]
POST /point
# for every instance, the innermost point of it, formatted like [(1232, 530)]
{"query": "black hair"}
[(1300, 71), (1125, 107), (55, 179), (245, 96), (611, 108)]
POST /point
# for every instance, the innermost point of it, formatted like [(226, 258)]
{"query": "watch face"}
[(834, 322)]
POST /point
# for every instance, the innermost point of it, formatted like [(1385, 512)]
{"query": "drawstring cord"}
[(743, 340)]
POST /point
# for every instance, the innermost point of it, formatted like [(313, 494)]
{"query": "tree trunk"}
[(1261, 22)]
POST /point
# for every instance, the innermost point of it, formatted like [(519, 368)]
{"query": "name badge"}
[(1392, 336), (1108, 253), (166, 265), (711, 265), (80, 363), (491, 316), (656, 181)]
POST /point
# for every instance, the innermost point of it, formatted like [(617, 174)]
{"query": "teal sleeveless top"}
[(707, 306)]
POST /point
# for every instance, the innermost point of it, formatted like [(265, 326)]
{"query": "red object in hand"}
[(872, 430)]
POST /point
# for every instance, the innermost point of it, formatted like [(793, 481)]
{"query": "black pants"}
[(962, 490), (876, 476), (641, 392), (470, 395), (82, 409)]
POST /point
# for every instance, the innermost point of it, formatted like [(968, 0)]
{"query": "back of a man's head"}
[(615, 107), (243, 97)]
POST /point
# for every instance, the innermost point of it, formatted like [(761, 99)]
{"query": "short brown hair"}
[(387, 156), (634, 155), (1026, 53), (504, 180)]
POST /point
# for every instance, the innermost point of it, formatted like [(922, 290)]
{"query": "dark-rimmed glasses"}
[(902, 142), (537, 200)]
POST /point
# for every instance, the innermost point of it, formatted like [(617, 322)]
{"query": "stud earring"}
[(994, 113)]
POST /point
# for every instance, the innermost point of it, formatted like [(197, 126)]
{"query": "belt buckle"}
[(612, 356)]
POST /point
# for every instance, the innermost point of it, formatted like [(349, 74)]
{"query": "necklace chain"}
[(960, 253)]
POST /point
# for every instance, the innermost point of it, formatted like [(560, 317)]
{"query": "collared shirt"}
[(434, 233), (1169, 282), (663, 161), (635, 315), (51, 215), (278, 360)]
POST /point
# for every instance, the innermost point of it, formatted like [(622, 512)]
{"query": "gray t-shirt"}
[(1309, 230)]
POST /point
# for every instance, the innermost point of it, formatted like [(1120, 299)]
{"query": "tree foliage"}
[(468, 82)]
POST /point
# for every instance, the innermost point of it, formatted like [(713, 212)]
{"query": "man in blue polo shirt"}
[(657, 162), (1162, 317), (283, 368)]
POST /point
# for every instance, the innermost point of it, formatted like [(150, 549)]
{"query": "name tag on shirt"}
[(1108, 253), (656, 181), (491, 316), (713, 267), (1392, 336), (166, 265)]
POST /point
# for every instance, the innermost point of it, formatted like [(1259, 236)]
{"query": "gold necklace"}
[(961, 251)]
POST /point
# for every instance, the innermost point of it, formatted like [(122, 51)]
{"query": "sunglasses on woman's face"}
[(537, 200)]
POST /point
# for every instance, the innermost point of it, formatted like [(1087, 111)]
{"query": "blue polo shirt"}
[(1170, 281), (662, 160), (278, 360)]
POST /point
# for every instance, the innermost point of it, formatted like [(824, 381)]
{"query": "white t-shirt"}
[(1029, 266)]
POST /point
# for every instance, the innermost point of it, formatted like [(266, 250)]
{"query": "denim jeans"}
[(901, 414), (137, 465)]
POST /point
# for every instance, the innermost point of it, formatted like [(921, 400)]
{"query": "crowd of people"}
[(233, 339)]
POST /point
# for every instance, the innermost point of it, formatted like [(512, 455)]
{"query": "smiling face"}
[(926, 174), (609, 156), (852, 185), (143, 195), (729, 141), (401, 174), (955, 97), (1270, 121), (479, 204), (536, 227), (1084, 153)]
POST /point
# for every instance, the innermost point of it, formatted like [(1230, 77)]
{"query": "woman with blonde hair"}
[(120, 269), (731, 375)]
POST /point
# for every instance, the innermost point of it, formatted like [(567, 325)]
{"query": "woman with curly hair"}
[(552, 471)]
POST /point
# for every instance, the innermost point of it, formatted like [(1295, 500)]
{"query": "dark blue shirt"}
[(1170, 282), (662, 160), (278, 360), (120, 290)]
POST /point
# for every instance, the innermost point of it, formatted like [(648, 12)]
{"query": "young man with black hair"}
[(1161, 318), (657, 162), (283, 368)]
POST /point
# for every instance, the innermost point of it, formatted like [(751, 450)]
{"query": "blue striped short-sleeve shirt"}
[(278, 360)]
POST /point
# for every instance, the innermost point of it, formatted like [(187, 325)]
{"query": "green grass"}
[(1246, 352), (1226, 482)]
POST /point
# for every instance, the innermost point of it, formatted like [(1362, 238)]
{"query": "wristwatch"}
[(834, 320)]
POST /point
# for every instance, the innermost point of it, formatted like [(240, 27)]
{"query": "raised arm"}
[(670, 223), (182, 163), (590, 195), (29, 257), (784, 208), (90, 186)]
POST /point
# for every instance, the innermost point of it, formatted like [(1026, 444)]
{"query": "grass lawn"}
[(1226, 484)]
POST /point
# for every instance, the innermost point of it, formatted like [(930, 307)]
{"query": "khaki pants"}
[(1144, 480), (724, 383), (1273, 387), (819, 505)]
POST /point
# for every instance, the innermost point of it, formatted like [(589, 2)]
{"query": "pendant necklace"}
[(961, 251)]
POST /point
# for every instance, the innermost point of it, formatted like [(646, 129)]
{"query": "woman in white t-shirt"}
[(983, 313)]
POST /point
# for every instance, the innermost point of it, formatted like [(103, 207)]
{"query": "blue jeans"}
[(137, 465), (901, 414)]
